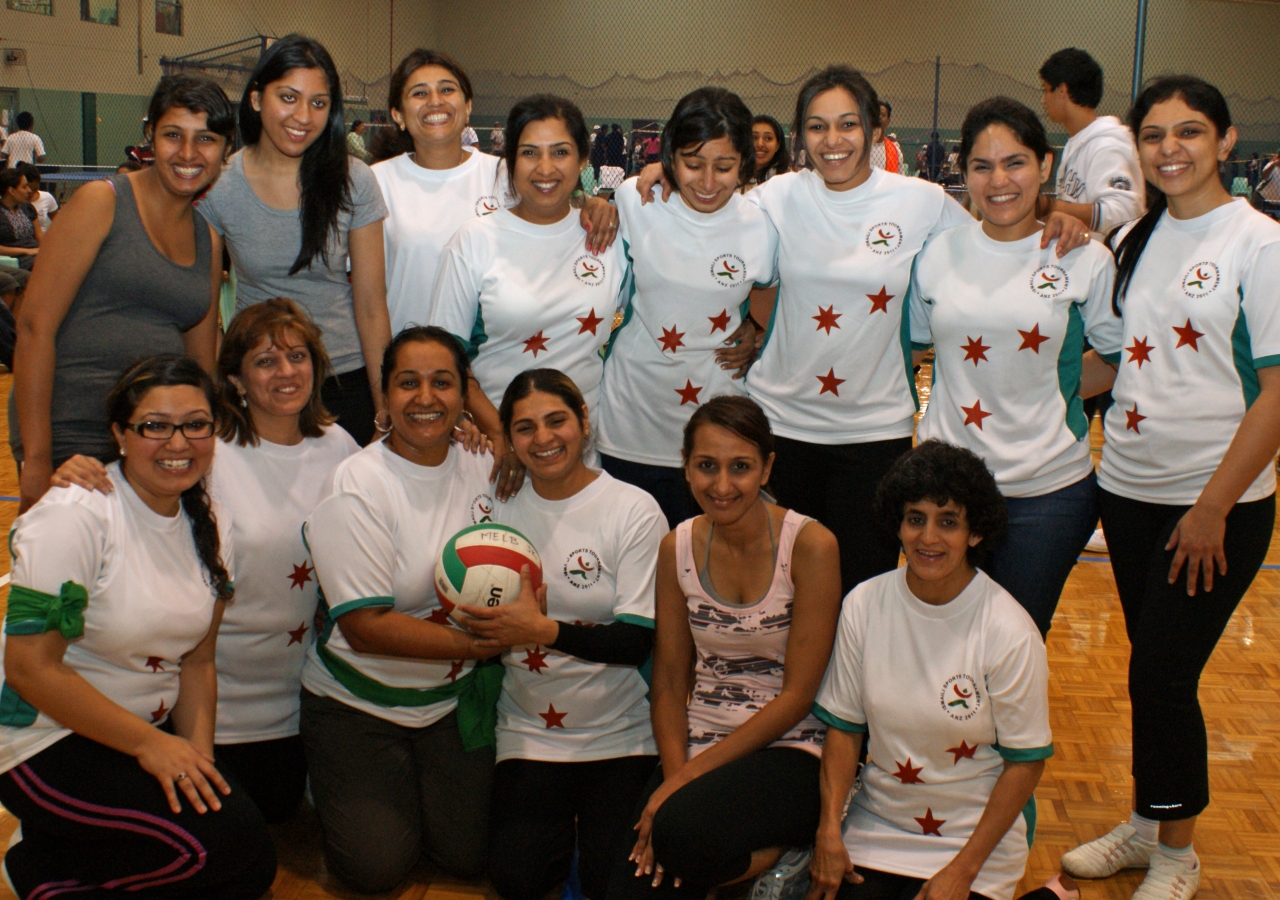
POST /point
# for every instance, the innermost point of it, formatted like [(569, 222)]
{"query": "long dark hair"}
[(324, 176), (401, 141), (704, 115), (535, 109), (1203, 98), (781, 162), (172, 370), (856, 85)]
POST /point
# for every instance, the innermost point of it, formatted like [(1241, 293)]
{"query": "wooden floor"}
[(1086, 787)]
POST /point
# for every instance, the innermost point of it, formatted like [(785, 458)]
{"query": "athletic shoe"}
[(1097, 543), (1121, 848), (1168, 879), (788, 880)]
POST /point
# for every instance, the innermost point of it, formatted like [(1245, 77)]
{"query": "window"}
[(44, 7), (169, 17), (104, 12)]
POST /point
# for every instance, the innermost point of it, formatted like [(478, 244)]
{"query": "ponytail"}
[(204, 528), (1131, 246)]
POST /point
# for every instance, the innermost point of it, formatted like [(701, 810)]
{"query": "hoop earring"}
[(378, 423)]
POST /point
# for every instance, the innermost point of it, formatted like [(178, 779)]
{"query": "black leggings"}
[(836, 484), (273, 773), (542, 810), (91, 817), (1172, 637), (706, 832), (347, 396)]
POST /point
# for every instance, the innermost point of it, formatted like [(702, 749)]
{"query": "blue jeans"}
[(666, 484), (1046, 535)]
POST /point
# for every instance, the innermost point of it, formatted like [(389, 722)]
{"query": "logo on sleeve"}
[(487, 204), (582, 568), (1121, 183), (961, 698), (1049, 281), (481, 509), (1201, 280), (884, 238), (728, 270), (589, 270)]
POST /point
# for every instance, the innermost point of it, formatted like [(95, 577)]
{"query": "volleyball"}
[(480, 566)]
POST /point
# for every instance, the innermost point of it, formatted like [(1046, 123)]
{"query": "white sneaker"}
[(1120, 848), (787, 880), (1168, 879), (1097, 543)]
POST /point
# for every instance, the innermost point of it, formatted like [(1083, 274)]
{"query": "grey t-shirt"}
[(264, 241)]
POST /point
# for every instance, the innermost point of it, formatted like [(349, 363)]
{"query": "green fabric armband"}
[(1111, 358), (1029, 754), (35, 612), (838, 723)]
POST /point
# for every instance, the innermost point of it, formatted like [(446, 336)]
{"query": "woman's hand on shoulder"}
[(83, 471), (651, 175), (1070, 232), (179, 766), (599, 219), (468, 436)]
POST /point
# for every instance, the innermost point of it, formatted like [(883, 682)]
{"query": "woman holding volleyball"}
[(574, 739)]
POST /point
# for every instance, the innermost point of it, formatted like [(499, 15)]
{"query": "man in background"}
[(23, 145)]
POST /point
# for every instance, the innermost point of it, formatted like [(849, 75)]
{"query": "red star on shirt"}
[(155, 663), (880, 301), (158, 714), (589, 322), (720, 322), (907, 773), (826, 318), (439, 616), (295, 636), (975, 350), (1031, 340), (964, 751), (671, 339), (535, 345), (301, 575), (1187, 336), (688, 393), (1132, 419), (535, 660), (973, 415), (552, 718), (454, 670), (928, 824), (1140, 352), (830, 383)]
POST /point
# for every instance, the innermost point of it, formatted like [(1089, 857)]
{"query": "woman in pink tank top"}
[(747, 599)]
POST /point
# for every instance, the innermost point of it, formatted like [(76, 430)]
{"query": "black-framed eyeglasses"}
[(162, 431)]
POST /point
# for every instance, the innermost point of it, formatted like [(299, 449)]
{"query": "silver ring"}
[(181, 777)]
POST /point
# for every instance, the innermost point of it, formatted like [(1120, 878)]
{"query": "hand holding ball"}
[(480, 566)]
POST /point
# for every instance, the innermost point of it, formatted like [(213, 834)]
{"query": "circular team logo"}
[(884, 238), (728, 270), (1201, 280), (589, 270), (961, 698), (582, 568), (486, 205), (481, 509), (1049, 281)]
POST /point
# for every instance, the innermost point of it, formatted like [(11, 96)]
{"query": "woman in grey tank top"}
[(128, 274)]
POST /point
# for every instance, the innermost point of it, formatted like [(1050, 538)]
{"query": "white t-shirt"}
[(693, 276), (374, 538), (270, 490), (836, 363), (45, 204), (22, 146), (1007, 321), (427, 207), (1201, 315), (599, 551), (526, 296), (150, 601), (1100, 166), (948, 694)]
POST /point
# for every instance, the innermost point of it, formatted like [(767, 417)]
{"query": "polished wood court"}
[(1086, 786)]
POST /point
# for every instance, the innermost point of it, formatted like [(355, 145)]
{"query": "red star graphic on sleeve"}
[(552, 718), (439, 616), (928, 824), (973, 415), (671, 339), (295, 636), (1132, 419), (301, 575), (975, 350), (1187, 336), (907, 773), (455, 669), (964, 751), (688, 393), (1140, 352), (880, 301), (1031, 340), (830, 383), (155, 664), (720, 322), (535, 345), (826, 318), (535, 660), (588, 322), (158, 714)]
